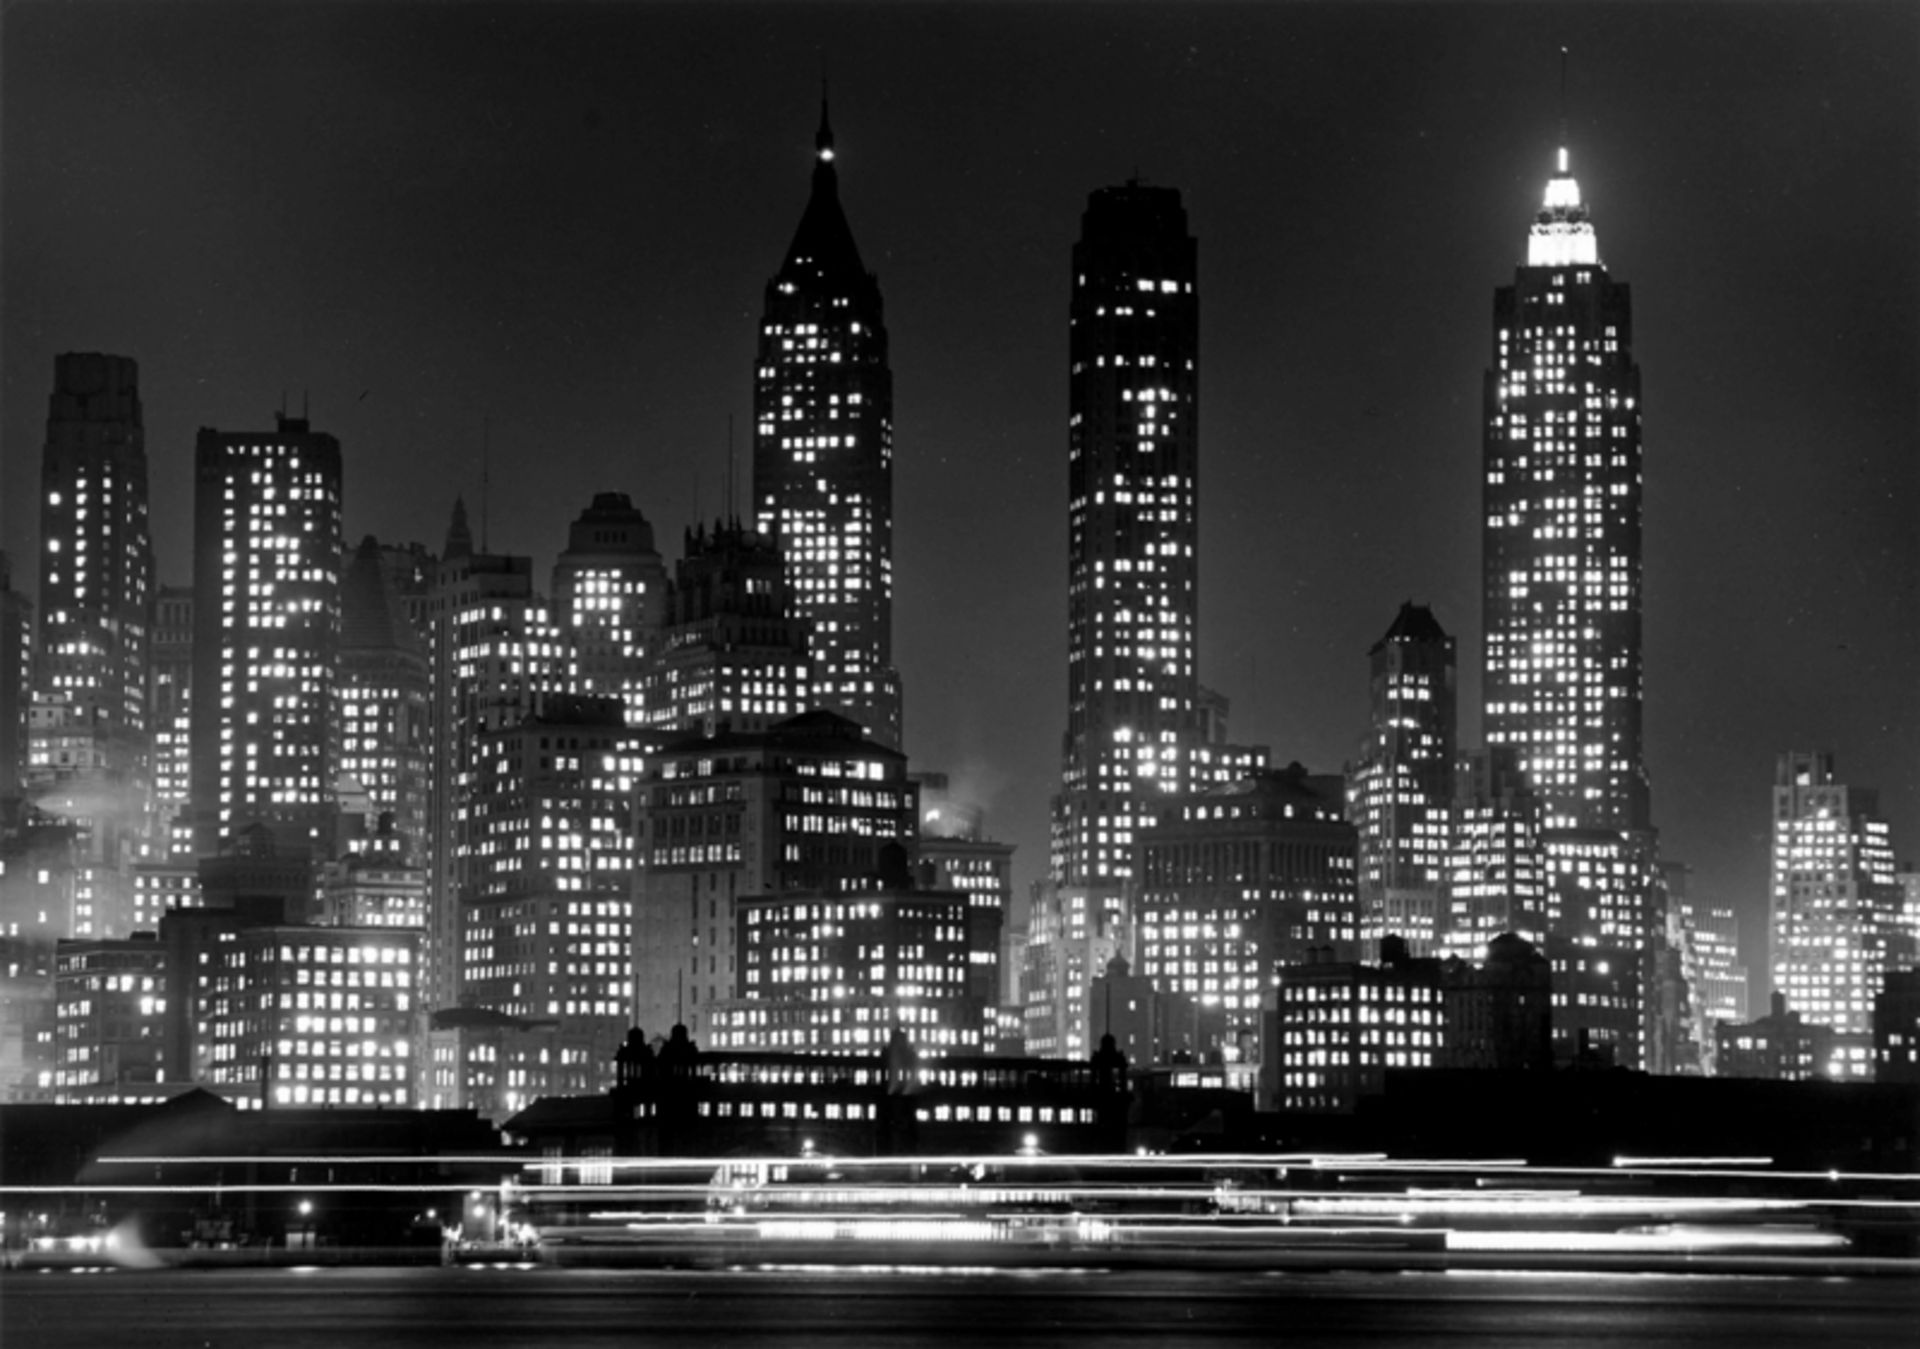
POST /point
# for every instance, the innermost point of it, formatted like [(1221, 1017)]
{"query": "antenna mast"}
[(486, 475)]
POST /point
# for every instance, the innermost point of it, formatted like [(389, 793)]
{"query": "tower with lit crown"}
[(1562, 494), (1561, 590), (823, 455)]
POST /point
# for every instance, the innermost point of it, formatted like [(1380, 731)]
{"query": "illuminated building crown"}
[(1562, 233)]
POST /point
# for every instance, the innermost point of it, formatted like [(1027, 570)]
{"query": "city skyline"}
[(1339, 453)]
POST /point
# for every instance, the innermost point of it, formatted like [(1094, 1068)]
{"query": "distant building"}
[(170, 714), (1152, 1028), (484, 1060), (1834, 906), (610, 597), (1338, 1026), (1498, 1014), (91, 743), (1237, 882), (1400, 790), (841, 973), (1896, 1028), (547, 917), (823, 455), (681, 1101), (381, 702), (495, 655), (374, 888), (1781, 1047), (805, 805), (271, 1013), (266, 633), (16, 689), (1496, 876), (111, 1020), (732, 653)]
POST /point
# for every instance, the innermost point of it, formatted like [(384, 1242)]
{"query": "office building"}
[(731, 654), (1896, 1028), (610, 597), (266, 633), (547, 913), (1236, 882), (1835, 909), (89, 739), (1339, 1025), (1401, 787), (16, 689), (843, 973), (170, 715), (494, 655), (823, 455), (381, 699), (111, 1020), (1782, 1046), (809, 804)]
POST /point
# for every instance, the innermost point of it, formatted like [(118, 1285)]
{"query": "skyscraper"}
[(1561, 589), (1402, 786), (89, 747), (381, 701), (1834, 908), (96, 559), (609, 594), (1133, 528), (731, 655), (494, 656), (823, 455), (1561, 558), (266, 633)]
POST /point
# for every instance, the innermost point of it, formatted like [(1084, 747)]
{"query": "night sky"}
[(556, 220)]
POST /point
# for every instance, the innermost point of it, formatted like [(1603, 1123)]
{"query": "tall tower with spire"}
[(1561, 547), (823, 454), (1561, 595)]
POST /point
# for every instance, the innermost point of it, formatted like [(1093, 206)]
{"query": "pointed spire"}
[(459, 537), (823, 140), (1562, 232)]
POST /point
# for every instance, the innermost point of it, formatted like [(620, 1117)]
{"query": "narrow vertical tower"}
[(96, 560), (823, 455), (90, 747), (266, 634), (1401, 789), (1561, 582), (1133, 528)]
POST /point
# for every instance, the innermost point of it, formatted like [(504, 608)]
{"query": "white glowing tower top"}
[(1562, 234)]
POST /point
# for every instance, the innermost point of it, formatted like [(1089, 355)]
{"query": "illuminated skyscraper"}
[(823, 455), (1561, 588), (1139, 725), (1402, 787), (1133, 528), (1562, 527), (96, 559), (494, 656), (731, 654), (170, 714), (1834, 906), (266, 633), (381, 701), (90, 752), (610, 595)]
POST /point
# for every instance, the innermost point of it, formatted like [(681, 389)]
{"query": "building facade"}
[(1401, 788), (610, 597), (732, 654), (1835, 910), (823, 455), (266, 632)]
